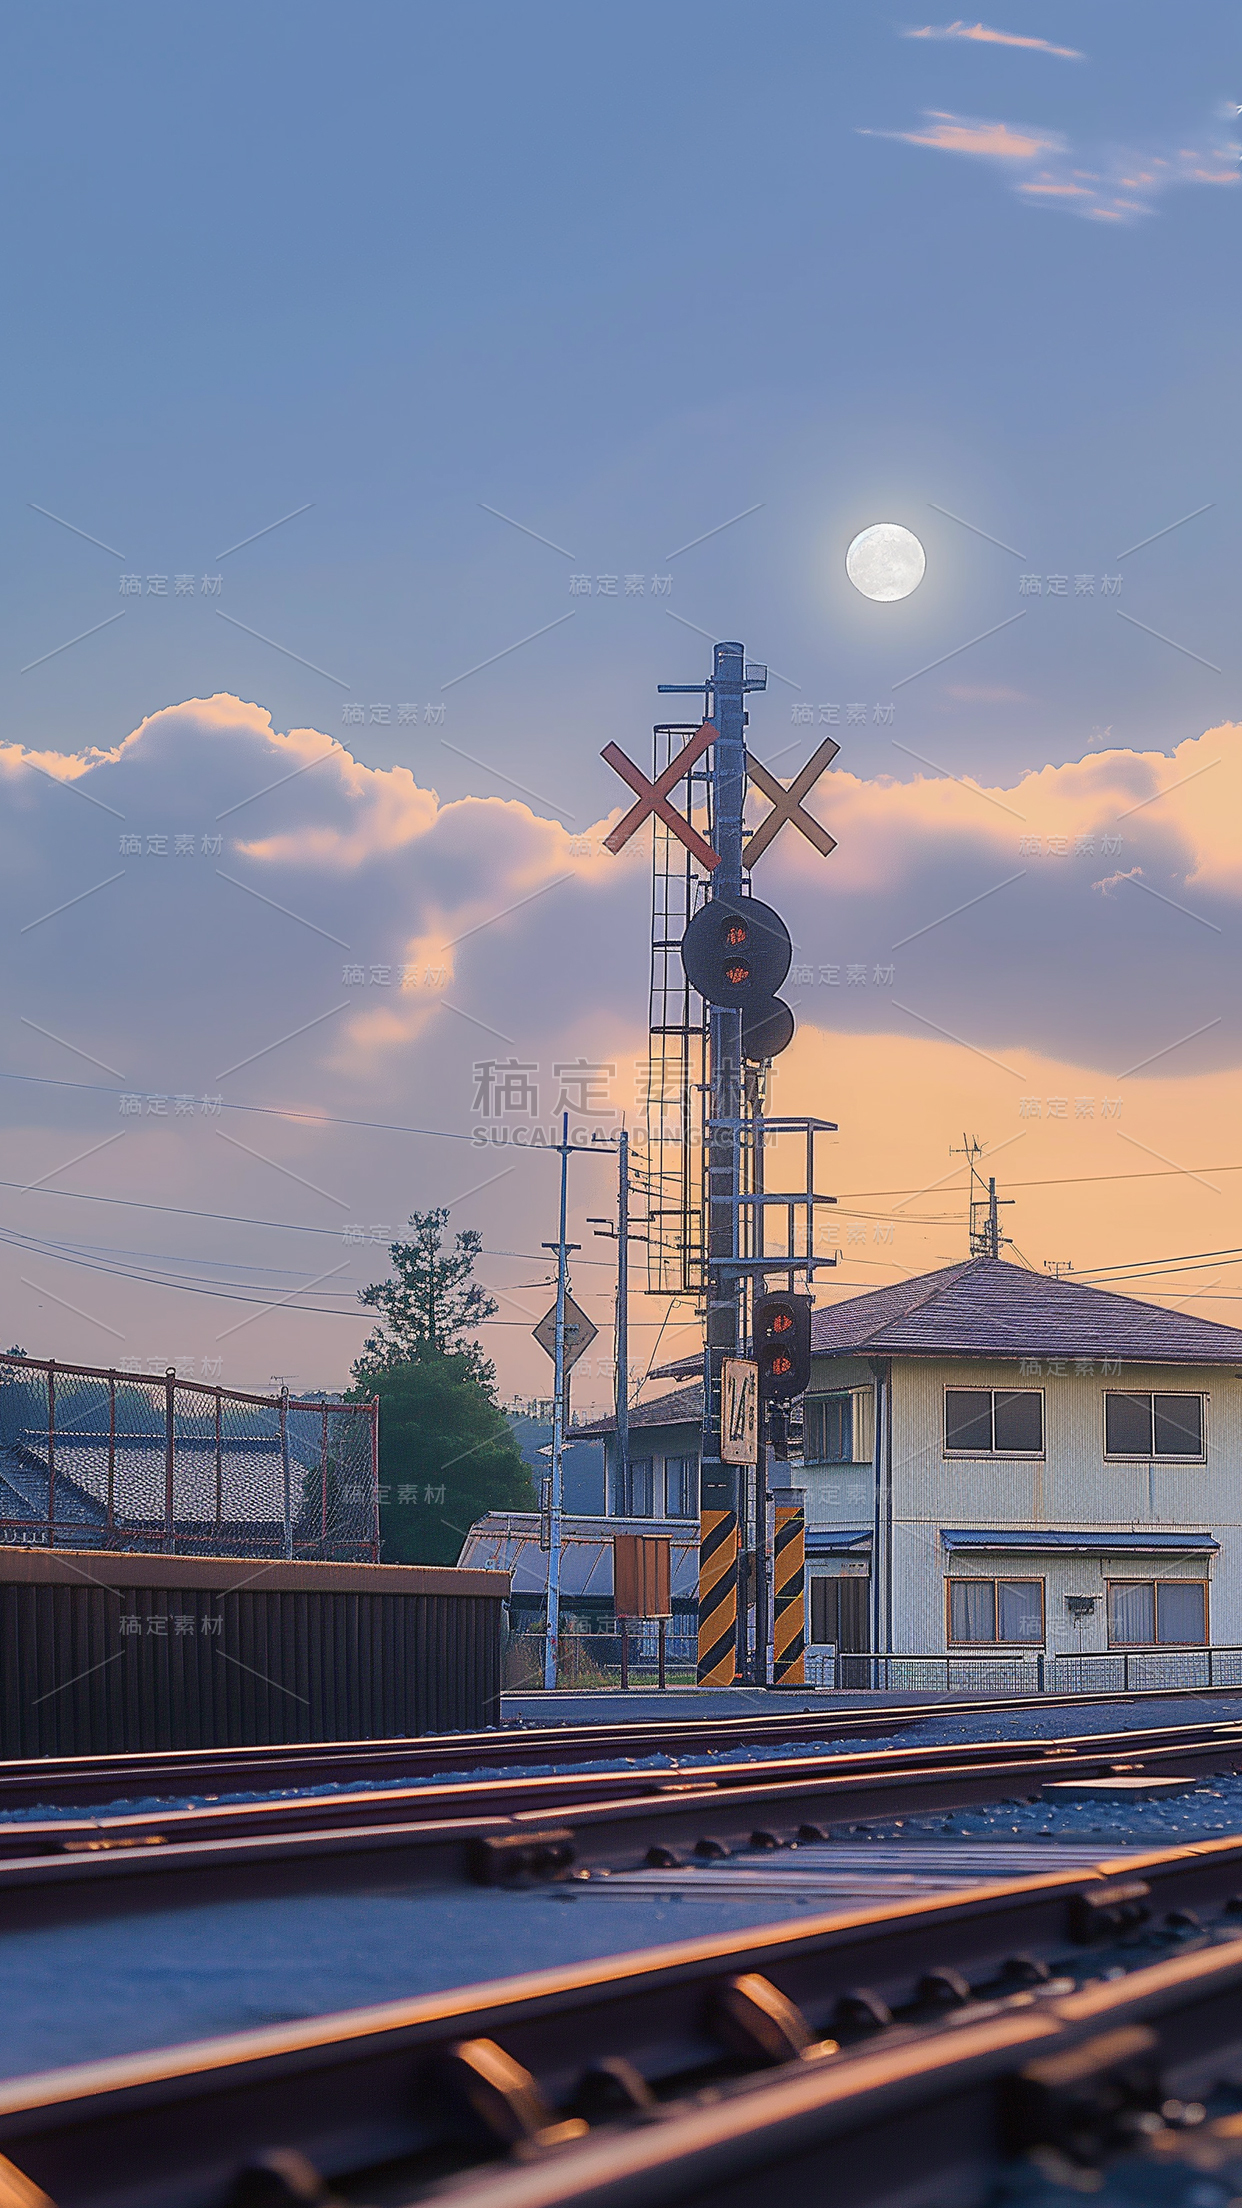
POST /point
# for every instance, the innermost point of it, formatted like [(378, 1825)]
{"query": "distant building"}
[(664, 1500), (995, 1459)]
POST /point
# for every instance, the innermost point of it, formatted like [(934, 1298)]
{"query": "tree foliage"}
[(447, 1455), (447, 1452), (433, 1305)]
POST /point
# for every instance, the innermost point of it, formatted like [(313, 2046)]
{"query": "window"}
[(1152, 1425), (994, 1422), (829, 1429), (681, 1485), (839, 1614), (1144, 1612), (637, 1503), (996, 1610)]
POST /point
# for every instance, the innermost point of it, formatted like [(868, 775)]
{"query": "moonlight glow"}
[(886, 561)]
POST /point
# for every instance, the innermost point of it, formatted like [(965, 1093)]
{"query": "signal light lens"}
[(737, 972), (781, 1364), (736, 932), (781, 1322)]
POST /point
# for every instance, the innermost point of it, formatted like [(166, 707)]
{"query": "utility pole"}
[(562, 1248), (605, 1229)]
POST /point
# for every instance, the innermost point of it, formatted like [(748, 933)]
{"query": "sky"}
[(394, 399)]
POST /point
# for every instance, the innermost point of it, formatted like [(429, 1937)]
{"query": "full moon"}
[(886, 561)]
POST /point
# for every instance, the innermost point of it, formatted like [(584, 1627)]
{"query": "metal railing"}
[(628, 1655), (1124, 1669), (96, 1458)]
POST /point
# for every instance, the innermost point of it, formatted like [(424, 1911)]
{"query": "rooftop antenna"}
[(986, 1239), (1057, 1265)]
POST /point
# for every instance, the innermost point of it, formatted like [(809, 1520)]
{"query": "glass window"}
[(972, 1610), (1178, 1424), (829, 1429), (639, 1501), (1153, 1425), (1018, 1420), (996, 1610), (968, 1420), (987, 1422), (1019, 1610), (1181, 1610), (681, 1487), (1127, 1425), (1132, 1611)]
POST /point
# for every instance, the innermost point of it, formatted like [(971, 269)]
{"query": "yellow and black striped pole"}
[(788, 1577), (717, 1597)]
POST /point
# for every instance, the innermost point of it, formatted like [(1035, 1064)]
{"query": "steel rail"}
[(550, 1792), (655, 2034), (138, 1774), (547, 1827)]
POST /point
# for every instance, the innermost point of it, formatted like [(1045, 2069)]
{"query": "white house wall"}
[(1071, 1488)]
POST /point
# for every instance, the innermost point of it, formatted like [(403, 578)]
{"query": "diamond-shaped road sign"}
[(580, 1332)]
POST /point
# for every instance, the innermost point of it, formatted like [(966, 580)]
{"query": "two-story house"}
[(996, 1458)]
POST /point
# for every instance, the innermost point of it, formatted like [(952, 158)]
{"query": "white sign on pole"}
[(580, 1332), (739, 1411)]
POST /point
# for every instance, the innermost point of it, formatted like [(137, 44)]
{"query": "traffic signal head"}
[(736, 951), (783, 1346)]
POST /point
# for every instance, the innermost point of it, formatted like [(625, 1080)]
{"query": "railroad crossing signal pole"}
[(720, 1482), (735, 953)]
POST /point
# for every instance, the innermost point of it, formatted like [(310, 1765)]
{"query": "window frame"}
[(1155, 1585), (1001, 1456), (690, 1477), (1125, 1456), (828, 1395), (996, 1580)]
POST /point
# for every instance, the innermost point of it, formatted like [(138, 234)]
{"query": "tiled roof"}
[(986, 1307), (683, 1407)]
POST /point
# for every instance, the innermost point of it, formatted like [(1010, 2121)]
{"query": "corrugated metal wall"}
[(94, 1668)]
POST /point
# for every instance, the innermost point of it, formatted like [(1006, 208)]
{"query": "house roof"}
[(987, 1307), (683, 1407)]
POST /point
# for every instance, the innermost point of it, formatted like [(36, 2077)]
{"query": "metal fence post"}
[(170, 1452), (323, 1484), (51, 1452), (375, 1473), (1039, 1672), (284, 1466), (219, 1466), (111, 1454), (661, 1651)]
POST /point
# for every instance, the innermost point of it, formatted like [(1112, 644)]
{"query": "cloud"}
[(963, 134), (1109, 184), (981, 34), (473, 921)]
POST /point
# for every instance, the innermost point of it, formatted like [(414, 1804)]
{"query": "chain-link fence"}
[(103, 1459)]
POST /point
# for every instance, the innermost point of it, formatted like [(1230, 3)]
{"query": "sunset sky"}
[(343, 434)]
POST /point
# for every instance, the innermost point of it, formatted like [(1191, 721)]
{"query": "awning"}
[(838, 1540), (1038, 1541)]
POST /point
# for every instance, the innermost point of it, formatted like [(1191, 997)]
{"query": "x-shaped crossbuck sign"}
[(653, 796), (787, 803)]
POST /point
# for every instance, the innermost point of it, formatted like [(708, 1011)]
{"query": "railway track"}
[(53, 1780), (529, 1828), (887, 2054)]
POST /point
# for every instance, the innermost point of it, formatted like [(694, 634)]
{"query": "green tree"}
[(447, 1455), (434, 1303), (447, 1451)]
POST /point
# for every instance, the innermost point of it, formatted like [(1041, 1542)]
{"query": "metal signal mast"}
[(717, 1227)]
